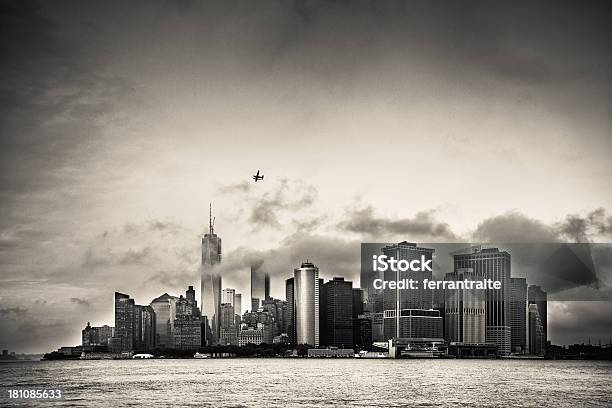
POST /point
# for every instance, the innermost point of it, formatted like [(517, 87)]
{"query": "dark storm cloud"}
[(514, 226), (333, 256), (423, 224), (579, 322), (578, 228), (137, 256), (267, 209), (79, 301), (173, 279), (12, 312), (286, 198), (54, 99), (244, 187), (35, 334), (105, 257)]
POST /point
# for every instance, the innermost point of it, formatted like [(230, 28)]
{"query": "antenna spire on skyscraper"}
[(211, 224)]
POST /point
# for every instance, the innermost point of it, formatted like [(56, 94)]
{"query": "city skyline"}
[(504, 320), (315, 302)]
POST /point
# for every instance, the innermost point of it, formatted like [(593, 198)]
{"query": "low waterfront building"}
[(251, 335), (331, 352)]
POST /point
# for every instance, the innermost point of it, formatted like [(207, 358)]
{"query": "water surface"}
[(315, 382)]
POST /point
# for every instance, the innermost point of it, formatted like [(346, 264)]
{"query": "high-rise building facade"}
[(260, 284), (400, 306), (464, 309), (187, 328), (336, 313), (165, 312), (306, 295), (367, 275), (134, 326), (407, 299), (278, 309), (492, 264), (255, 303), (518, 314), (537, 344), (190, 295), (413, 324), (210, 285), (363, 331), (237, 309), (228, 296), (358, 309), (124, 321), (228, 324), (227, 316), (290, 316), (144, 328), (538, 297)]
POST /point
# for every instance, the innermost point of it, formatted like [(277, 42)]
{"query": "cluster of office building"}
[(508, 320), (335, 314)]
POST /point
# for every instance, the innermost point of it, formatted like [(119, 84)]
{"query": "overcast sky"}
[(372, 121)]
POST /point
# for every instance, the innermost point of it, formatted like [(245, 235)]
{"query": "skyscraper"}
[(228, 296), (464, 310), (492, 264), (255, 303), (134, 325), (277, 308), (307, 304), (518, 314), (358, 309), (536, 331), (538, 297), (238, 307), (187, 328), (227, 324), (367, 275), (165, 312), (190, 295), (260, 284), (398, 302), (421, 298), (336, 313), (227, 316), (290, 318), (124, 321), (210, 284), (144, 328)]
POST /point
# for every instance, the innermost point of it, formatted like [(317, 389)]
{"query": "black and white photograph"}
[(306, 203)]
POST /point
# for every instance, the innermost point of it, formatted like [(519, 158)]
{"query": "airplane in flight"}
[(257, 177)]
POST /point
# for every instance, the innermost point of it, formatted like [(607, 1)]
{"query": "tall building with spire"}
[(211, 284)]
